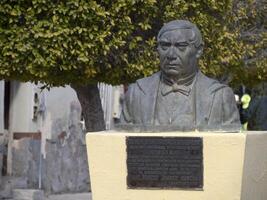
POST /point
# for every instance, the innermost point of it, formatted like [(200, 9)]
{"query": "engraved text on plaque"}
[(165, 162)]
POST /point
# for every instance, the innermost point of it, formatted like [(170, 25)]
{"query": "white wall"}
[(55, 108), (21, 107), (57, 117), (2, 86), (58, 112), (58, 102), (110, 99), (106, 95)]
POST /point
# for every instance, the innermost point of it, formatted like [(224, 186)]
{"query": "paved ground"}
[(81, 196)]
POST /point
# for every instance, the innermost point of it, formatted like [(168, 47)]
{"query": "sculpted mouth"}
[(173, 66)]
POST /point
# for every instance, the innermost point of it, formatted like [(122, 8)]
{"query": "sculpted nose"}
[(171, 55)]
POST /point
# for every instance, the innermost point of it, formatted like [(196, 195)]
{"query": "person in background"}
[(255, 111)]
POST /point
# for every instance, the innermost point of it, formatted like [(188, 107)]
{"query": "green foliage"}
[(114, 41), (250, 20)]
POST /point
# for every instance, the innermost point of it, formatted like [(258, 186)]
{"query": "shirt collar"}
[(183, 86)]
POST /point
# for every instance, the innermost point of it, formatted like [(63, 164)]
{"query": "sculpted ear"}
[(199, 51)]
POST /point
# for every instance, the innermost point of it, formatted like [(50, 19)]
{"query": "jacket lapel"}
[(205, 94), (147, 102)]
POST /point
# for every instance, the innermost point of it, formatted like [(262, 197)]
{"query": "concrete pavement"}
[(80, 196)]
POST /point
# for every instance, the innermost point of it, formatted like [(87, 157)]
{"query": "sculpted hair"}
[(183, 24)]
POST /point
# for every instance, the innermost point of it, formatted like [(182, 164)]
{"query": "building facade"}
[(43, 135)]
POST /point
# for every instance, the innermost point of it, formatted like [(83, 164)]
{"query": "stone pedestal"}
[(234, 167)]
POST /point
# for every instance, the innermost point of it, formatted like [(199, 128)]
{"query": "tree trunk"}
[(89, 98)]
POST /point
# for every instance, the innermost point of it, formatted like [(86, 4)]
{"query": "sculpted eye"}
[(164, 45), (182, 45)]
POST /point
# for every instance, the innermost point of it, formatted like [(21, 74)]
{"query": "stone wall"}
[(2, 151), (1, 126), (26, 160), (1, 162), (57, 162), (2, 84), (64, 166)]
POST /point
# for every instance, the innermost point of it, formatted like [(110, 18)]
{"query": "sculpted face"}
[(178, 57)]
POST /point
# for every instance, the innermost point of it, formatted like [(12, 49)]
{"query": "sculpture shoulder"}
[(222, 91), (145, 84), (224, 104), (212, 85), (149, 78)]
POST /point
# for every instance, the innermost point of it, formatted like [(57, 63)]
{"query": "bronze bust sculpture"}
[(179, 94)]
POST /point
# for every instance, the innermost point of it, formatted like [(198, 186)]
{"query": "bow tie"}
[(175, 88)]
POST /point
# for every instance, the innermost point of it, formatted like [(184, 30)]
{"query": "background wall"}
[(2, 106), (21, 107), (56, 162)]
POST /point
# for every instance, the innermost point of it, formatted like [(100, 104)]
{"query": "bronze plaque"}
[(165, 162)]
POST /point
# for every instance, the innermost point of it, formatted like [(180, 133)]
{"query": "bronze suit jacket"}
[(214, 103)]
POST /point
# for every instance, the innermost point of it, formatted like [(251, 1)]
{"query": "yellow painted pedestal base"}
[(235, 167)]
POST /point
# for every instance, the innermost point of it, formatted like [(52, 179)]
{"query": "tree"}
[(250, 20), (82, 42)]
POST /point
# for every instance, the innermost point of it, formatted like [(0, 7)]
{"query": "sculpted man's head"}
[(180, 46)]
